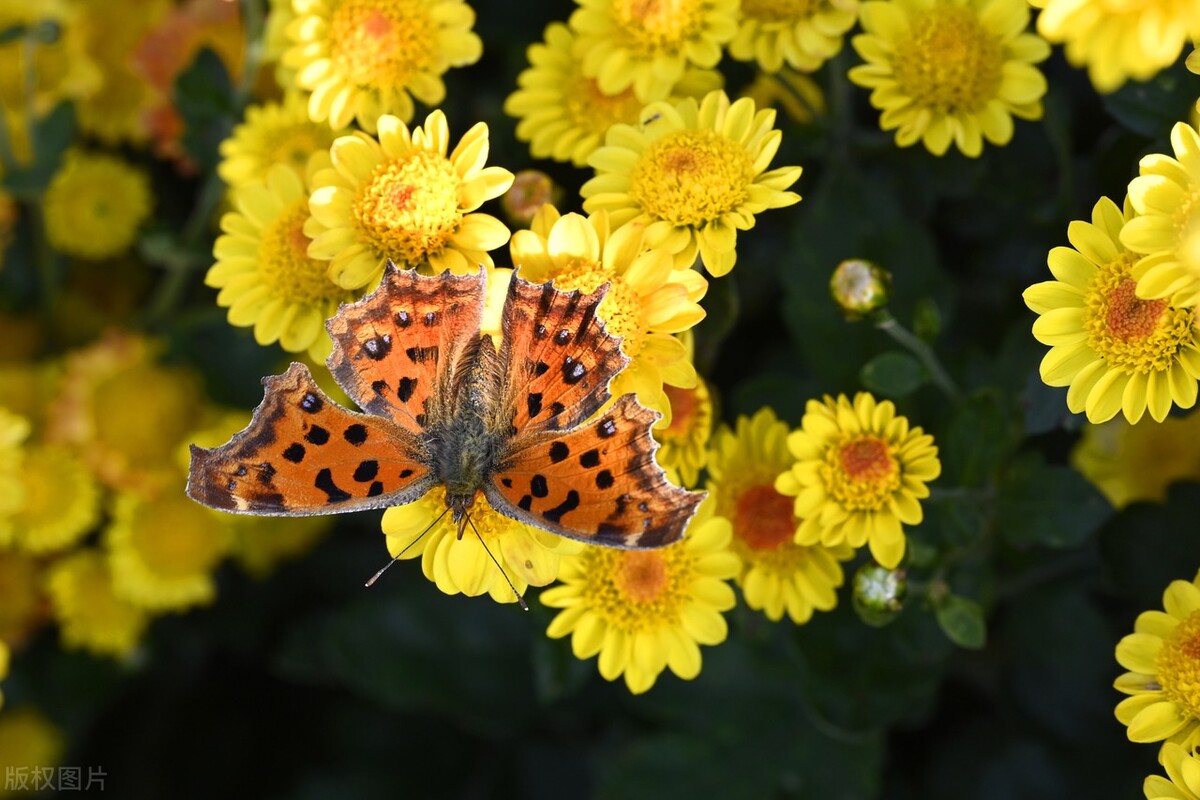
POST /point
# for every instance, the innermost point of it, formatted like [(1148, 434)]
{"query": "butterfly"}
[(527, 425)]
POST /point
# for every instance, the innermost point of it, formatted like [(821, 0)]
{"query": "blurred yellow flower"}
[(61, 500), (361, 59), (683, 438), (859, 475), (90, 615), (14, 430), (777, 574), (95, 205), (29, 741), (694, 174), (275, 132), (643, 611), (803, 34), (648, 300), (401, 196), (1131, 463), (1116, 351), (950, 71)]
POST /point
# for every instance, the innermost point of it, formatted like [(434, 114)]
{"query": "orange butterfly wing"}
[(304, 454), (401, 351)]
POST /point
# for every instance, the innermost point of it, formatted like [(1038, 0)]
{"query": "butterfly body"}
[(528, 425)]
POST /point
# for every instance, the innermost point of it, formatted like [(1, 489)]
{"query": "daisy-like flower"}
[(266, 277), (402, 197), (694, 174), (643, 611), (1120, 39), (794, 93), (365, 58), (648, 300), (800, 33), (276, 42), (163, 549), (90, 615), (95, 204), (1166, 229), (272, 133), (29, 741), (777, 574), (859, 475), (649, 44), (947, 71), (1116, 351), (563, 114), (61, 500), (1183, 775), (683, 440), (528, 556), (1131, 463), (1163, 681), (22, 606)]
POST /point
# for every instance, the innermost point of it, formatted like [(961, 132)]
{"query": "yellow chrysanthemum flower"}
[(21, 602), (643, 611), (276, 42), (402, 197), (266, 277), (272, 133), (648, 300), (683, 439), (62, 500), (29, 741), (125, 413), (1166, 230), (1132, 463), (116, 112), (800, 33), (694, 175), (1163, 681), (14, 430), (365, 58), (777, 574), (794, 93), (528, 556), (859, 475), (163, 549), (649, 44), (1183, 775), (563, 114), (29, 388), (90, 615), (1120, 39), (947, 71), (95, 204), (1116, 351)]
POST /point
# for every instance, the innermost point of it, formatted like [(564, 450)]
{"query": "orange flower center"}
[(861, 473), (641, 576), (382, 43), (1178, 665), (763, 518), (949, 61), (684, 412), (1130, 317), (408, 208), (867, 460), (1131, 334)]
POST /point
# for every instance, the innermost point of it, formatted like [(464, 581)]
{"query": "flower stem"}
[(924, 353)]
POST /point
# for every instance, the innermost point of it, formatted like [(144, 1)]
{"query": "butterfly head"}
[(460, 505)]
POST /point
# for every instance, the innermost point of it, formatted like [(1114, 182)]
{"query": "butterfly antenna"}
[(397, 557), (521, 600)]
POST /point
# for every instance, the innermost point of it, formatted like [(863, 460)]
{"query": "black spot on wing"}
[(419, 355), (405, 389), (604, 479), (311, 403), (366, 471), (403, 319), (325, 483), (533, 402), (525, 503), (377, 348), (317, 435), (538, 486), (562, 337), (572, 371), (559, 451), (555, 514), (355, 434), (375, 490), (294, 453), (380, 387), (590, 459), (606, 428)]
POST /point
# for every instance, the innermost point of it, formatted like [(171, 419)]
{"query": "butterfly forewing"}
[(304, 454), (598, 483), (558, 358), (397, 351)]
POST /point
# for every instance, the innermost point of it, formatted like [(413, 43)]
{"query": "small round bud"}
[(531, 189), (878, 593), (859, 287)]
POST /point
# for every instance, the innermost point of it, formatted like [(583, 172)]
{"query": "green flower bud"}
[(878, 593), (531, 189), (859, 287)]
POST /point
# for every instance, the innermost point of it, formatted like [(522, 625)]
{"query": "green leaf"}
[(962, 621), (1148, 545), (893, 374), (204, 97), (1053, 506), (52, 135), (1153, 107), (980, 436)]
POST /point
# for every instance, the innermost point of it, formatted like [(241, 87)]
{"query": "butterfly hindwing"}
[(304, 454), (397, 351), (598, 483)]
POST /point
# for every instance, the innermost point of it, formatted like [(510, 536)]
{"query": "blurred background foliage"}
[(303, 684)]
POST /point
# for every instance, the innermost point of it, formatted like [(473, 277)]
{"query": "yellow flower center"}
[(638, 590), (408, 208), (284, 265), (691, 177), (382, 43), (768, 11), (861, 473), (1131, 334), (654, 26), (621, 308), (1178, 665), (949, 62), (763, 518), (592, 110), (176, 538), (143, 413)]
